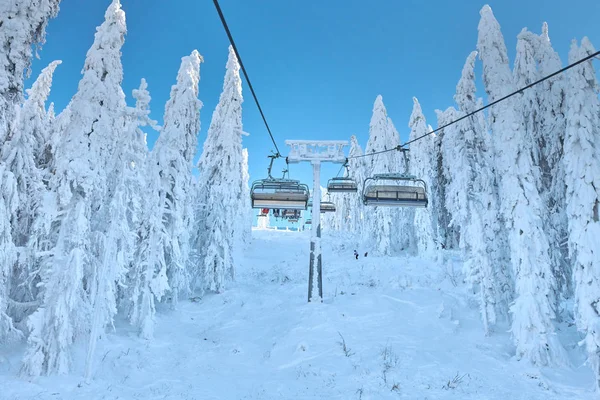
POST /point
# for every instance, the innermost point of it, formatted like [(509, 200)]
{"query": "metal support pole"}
[(316, 151), (315, 240)]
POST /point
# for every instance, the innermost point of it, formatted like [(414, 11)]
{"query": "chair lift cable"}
[(560, 71), (216, 3)]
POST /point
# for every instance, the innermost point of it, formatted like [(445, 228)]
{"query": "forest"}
[(95, 225)]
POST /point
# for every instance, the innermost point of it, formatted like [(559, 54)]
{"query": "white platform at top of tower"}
[(316, 150)]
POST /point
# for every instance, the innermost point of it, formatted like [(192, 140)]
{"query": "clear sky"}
[(316, 65)]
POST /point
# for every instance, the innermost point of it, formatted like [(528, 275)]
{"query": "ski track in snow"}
[(409, 333)]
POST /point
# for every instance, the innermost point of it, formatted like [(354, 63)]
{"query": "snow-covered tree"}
[(138, 299), (356, 171), (382, 136), (172, 159), (8, 254), (23, 25), (78, 278), (65, 310), (448, 233), (533, 310), (472, 200), (23, 154), (36, 120), (553, 123), (246, 205), (221, 182), (422, 166), (582, 171), (543, 108)]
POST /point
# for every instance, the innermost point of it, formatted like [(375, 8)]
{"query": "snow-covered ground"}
[(388, 328)]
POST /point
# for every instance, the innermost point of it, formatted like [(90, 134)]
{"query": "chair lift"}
[(289, 214), (408, 192), (285, 194), (308, 222), (326, 206), (341, 184)]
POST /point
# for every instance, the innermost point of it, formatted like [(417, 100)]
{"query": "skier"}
[(355, 254)]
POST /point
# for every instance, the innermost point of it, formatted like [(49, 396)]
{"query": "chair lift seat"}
[(399, 195), (390, 195), (342, 185), (284, 194), (289, 213), (327, 206)]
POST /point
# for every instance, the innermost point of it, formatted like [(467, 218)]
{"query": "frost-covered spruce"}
[(221, 183), (421, 166), (76, 278), (544, 111), (448, 232), (533, 309), (8, 252), (582, 173), (171, 163), (543, 123), (246, 205), (131, 206), (379, 221), (26, 155), (23, 25), (357, 171), (471, 198), (553, 124)]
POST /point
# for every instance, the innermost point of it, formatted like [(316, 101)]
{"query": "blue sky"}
[(316, 66)]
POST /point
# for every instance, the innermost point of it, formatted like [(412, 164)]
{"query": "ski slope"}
[(409, 332)]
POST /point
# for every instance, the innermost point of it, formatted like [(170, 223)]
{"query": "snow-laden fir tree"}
[(36, 120), (8, 254), (23, 25), (136, 298), (221, 183), (380, 224), (448, 234), (533, 310), (582, 172), (64, 313), (538, 126), (25, 154), (553, 123), (172, 162), (472, 200), (77, 279), (422, 166), (245, 202), (544, 109), (356, 171)]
